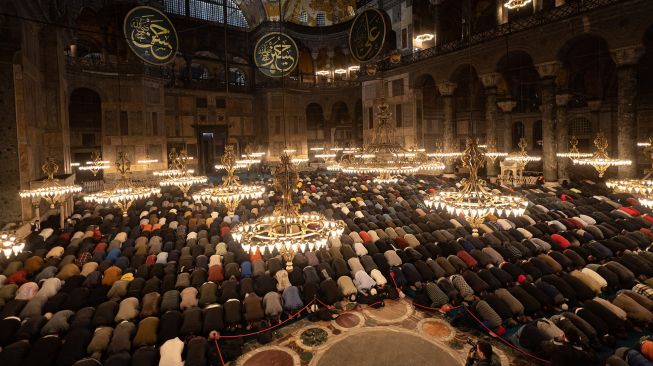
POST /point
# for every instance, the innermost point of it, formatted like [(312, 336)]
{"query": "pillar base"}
[(552, 184)]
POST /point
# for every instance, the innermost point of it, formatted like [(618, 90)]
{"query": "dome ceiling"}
[(306, 12)]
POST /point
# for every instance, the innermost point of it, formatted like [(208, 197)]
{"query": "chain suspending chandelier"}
[(600, 159), (384, 157), (287, 230), (474, 200), (125, 192), (51, 191), (180, 176), (231, 192)]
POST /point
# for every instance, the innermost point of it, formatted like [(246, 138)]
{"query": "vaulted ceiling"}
[(298, 11)]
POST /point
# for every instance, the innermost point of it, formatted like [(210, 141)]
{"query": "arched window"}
[(237, 77), (320, 19), (209, 10), (303, 17), (580, 127)]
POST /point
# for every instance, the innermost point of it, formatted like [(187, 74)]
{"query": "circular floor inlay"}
[(314, 337), (348, 320), (271, 357), (437, 329), (384, 347), (392, 312)]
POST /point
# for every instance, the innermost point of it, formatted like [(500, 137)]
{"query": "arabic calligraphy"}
[(276, 54), (367, 35), (151, 35)]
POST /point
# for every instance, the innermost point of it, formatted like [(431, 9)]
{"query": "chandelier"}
[(600, 159), (522, 156), (125, 193), (384, 157), (641, 188), (10, 244), (96, 164), (287, 230), (51, 191), (491, 151), (231, 192), (516, 4), (181, 177), (573, 153), (474, 200)]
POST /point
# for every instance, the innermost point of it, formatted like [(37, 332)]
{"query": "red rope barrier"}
[(272, 326), (505, 341), (219, 352)]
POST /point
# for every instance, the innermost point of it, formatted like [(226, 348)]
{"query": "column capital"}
[(446, 88), (491, 79), (507, 105), (627, 56), (594, 105), (548, 69), (562, 99)]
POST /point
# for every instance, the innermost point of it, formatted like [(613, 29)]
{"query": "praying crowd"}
[(565, 282)]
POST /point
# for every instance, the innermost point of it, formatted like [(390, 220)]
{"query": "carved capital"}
[(563, 99), (491, 80), (548, 69), (507, 105), (447, 88), (627, 56)]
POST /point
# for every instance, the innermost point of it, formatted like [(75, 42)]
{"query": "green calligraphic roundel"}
[(367, 35), (151, 35), (276, 54)]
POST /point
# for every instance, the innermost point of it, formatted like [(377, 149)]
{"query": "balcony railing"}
[(296, 84), (95, 65), (514, 26)]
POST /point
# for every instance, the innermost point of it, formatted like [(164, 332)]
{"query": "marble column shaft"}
[(549, 160), (506, 107), (450, 141), (562, 134), (627, 119), (491, 126)]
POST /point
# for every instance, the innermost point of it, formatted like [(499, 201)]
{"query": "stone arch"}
[(85, 121), (468, 97), (590, 72), (519, 80), (429, 117), (315, 123)]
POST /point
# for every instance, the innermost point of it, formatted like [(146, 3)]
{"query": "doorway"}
[(211, 141)]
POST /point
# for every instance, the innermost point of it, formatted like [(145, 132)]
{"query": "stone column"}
[(490, 82), (10, 169), (562, 134), (548, 72), (506, 107), (626, 58), (450, 141)]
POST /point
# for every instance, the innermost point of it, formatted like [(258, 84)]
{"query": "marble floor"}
[(397, 334)]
